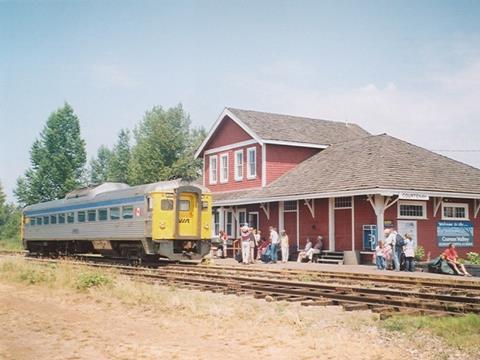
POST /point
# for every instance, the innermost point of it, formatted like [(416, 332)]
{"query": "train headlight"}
[(162, 225), (206, 226)]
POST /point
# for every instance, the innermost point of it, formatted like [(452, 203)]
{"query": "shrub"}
[(419, 253), (88, 280), (473, 258)]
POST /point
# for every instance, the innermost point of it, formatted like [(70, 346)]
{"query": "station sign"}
[(412, 196), (459, 233)]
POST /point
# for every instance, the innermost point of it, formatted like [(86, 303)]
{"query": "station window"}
[(238, 168), (53, 219), (102, 214), (61, 218), (452, 211), (39, 221), (32, 221), (127, 212), (92, 215), (114, 213), (166, 204), (184, 205), (213, 169), (343, 202), (290, 206), (46, 220), (81, 216), (216, 222), (252, 163), (70, 217), (412, 210), (224, 168)]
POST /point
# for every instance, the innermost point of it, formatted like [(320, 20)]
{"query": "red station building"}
[(316, 177)]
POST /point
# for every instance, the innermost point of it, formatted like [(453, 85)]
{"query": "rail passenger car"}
[(168, 219)]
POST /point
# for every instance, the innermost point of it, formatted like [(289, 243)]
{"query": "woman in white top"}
[(409, 253)]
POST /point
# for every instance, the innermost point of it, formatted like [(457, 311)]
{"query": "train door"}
[(187, 215)]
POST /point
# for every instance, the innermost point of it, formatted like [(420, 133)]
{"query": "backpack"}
[(399, 241)]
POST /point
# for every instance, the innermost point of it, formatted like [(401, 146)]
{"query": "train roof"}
[(108, 191)]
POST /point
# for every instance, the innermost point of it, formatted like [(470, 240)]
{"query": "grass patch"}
[(11, 244), (462, 332), (89, 280)]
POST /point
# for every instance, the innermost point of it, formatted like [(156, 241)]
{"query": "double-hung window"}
[(224, 168), (251, 163), (239, 165), (213, 169), (412, 210), (451, 211)]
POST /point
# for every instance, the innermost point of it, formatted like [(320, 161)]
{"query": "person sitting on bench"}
[(317, 249), (303, 254), (451, 256)]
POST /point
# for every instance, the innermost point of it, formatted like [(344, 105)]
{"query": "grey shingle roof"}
[(379, 161), (269, 126)]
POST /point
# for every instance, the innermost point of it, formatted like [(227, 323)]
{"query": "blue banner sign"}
[(459, 233)]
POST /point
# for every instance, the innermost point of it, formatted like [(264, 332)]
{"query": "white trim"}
[(236, 176), (353, 223), (266, 209), (455, 205), (476, 208), (240, 123), (294, 143), (310, 204), (238, 223), (264, 165), (221, 178), (331, 224), (210, 158), (298, 225), (421, 203), (230, 147), (249, 175), (257, 225), (371, 191), (437, 202), (281, 216), (205, 170)]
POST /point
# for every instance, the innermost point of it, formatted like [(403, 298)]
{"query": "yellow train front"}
[(169, 219)]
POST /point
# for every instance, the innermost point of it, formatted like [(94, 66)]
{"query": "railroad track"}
[(423, 299)]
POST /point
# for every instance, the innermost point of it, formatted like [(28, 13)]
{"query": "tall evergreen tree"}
[(58, 160), (100, 167), (121, 156), (164, 147)]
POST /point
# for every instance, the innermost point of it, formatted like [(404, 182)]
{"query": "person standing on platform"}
[(223, 239), (409, 253), (284, 245), (380, 256), (245, 239), (253, 244), (274, 241)]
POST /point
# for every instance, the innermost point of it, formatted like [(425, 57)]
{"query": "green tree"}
[(121, 156), (165, 144), (10, 217), (58, 160), (100, 167)]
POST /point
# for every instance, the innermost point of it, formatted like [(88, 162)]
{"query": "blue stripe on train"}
[(85, 206)]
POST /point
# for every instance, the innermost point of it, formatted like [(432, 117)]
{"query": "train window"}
[(32, 221), (127, 212), (167, 204), (81, 216), (149, 203), (184, 205), (204, 205), (53, 219), (70, 218), (92, 215), (102, 214), (39, 221), (61, 218), (46, 220), (114, 213)]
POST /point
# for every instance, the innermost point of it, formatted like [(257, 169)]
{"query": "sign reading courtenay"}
[(459, 233), (412, 196)]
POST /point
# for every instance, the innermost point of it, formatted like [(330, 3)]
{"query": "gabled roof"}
[(368, 164), (288, 130)]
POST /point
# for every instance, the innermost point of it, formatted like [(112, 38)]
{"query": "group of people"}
[(393, 249), (310, 250)]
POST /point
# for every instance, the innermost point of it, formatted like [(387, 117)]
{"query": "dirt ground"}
[(38, 322)]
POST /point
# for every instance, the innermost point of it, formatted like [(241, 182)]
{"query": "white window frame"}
[(258, 219), (223, 179), (238, 223), (458, 205), (238, 176), (211, 172), (423, 204), (251, 176), (342, 207)]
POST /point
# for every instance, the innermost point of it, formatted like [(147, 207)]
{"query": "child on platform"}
[(380, 256)]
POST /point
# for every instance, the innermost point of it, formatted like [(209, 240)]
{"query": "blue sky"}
[(407, 68)]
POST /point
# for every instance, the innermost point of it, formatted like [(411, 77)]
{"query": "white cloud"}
[(441, 112)]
